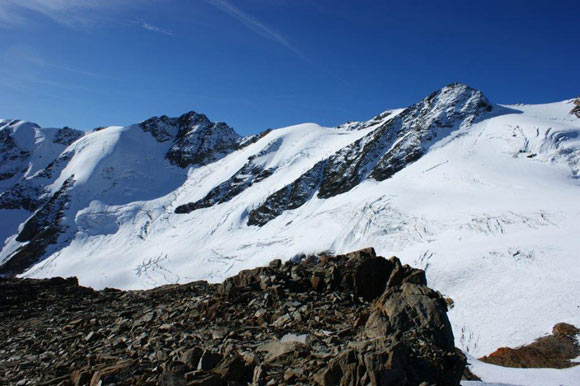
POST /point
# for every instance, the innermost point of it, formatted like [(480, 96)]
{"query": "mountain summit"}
[(196, 140)]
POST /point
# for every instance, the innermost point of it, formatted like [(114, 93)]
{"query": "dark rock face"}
[(244, 178), (196, 140), (12, 157), (383, 152), (353, 125), (29, 193), (252, 172), (354, 319), (203, 145), (576, 109), (247, 141), (66, 136), (39, 231), (162, 128), (292, 196), (554, 351), (21, 196)]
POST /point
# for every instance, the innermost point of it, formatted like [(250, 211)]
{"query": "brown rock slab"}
[(552, 351)]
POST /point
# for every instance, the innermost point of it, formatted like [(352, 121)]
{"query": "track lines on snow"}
[(153, 266), (433, 167), (424, 259)]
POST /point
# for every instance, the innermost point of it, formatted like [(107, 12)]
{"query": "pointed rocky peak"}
[(448, 104), (196, 139), (192, 121), (203, 144), (161, 128)]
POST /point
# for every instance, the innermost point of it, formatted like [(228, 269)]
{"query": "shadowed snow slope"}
[(483, 197)]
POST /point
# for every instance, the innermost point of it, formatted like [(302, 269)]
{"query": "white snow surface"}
[(491, 212), (497, 375)]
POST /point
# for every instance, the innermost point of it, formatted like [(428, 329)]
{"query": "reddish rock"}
[(552, 351)]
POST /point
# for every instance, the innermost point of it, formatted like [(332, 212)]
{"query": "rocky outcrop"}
[(243, 179), (66, 135), (554, 351), (378, 155), (251, 139), (351, 319), (12, 156), (42, 229), (376, 121), (23, 195), (252, 172), (290, 197), (576, 109), (196, 140)]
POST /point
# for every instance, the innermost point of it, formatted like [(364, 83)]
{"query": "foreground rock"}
[(332, 320), (554, 351)]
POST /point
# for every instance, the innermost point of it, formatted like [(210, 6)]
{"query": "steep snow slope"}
[(109, 166), (156, 245), (489, 207)]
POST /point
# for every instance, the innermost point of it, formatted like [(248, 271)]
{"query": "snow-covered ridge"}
[(54, 173), (396, 140), (484, 197)]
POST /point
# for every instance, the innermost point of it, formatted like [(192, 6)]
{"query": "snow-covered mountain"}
[(484, 197)]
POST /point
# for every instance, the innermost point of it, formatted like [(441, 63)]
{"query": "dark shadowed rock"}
[(234, 369), (191, 357), (39, 231), (66, 135), (209, 360), (576, 108)]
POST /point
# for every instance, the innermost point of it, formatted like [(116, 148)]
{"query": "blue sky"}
[(259, 64)]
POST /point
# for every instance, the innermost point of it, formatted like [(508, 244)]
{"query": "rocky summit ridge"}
[(196, 139), (350, 319)]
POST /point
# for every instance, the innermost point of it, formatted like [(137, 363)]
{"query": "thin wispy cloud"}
[(262, 29), (25, 58), (154, 28), (68, 12), (254, 24), (71, 13)]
